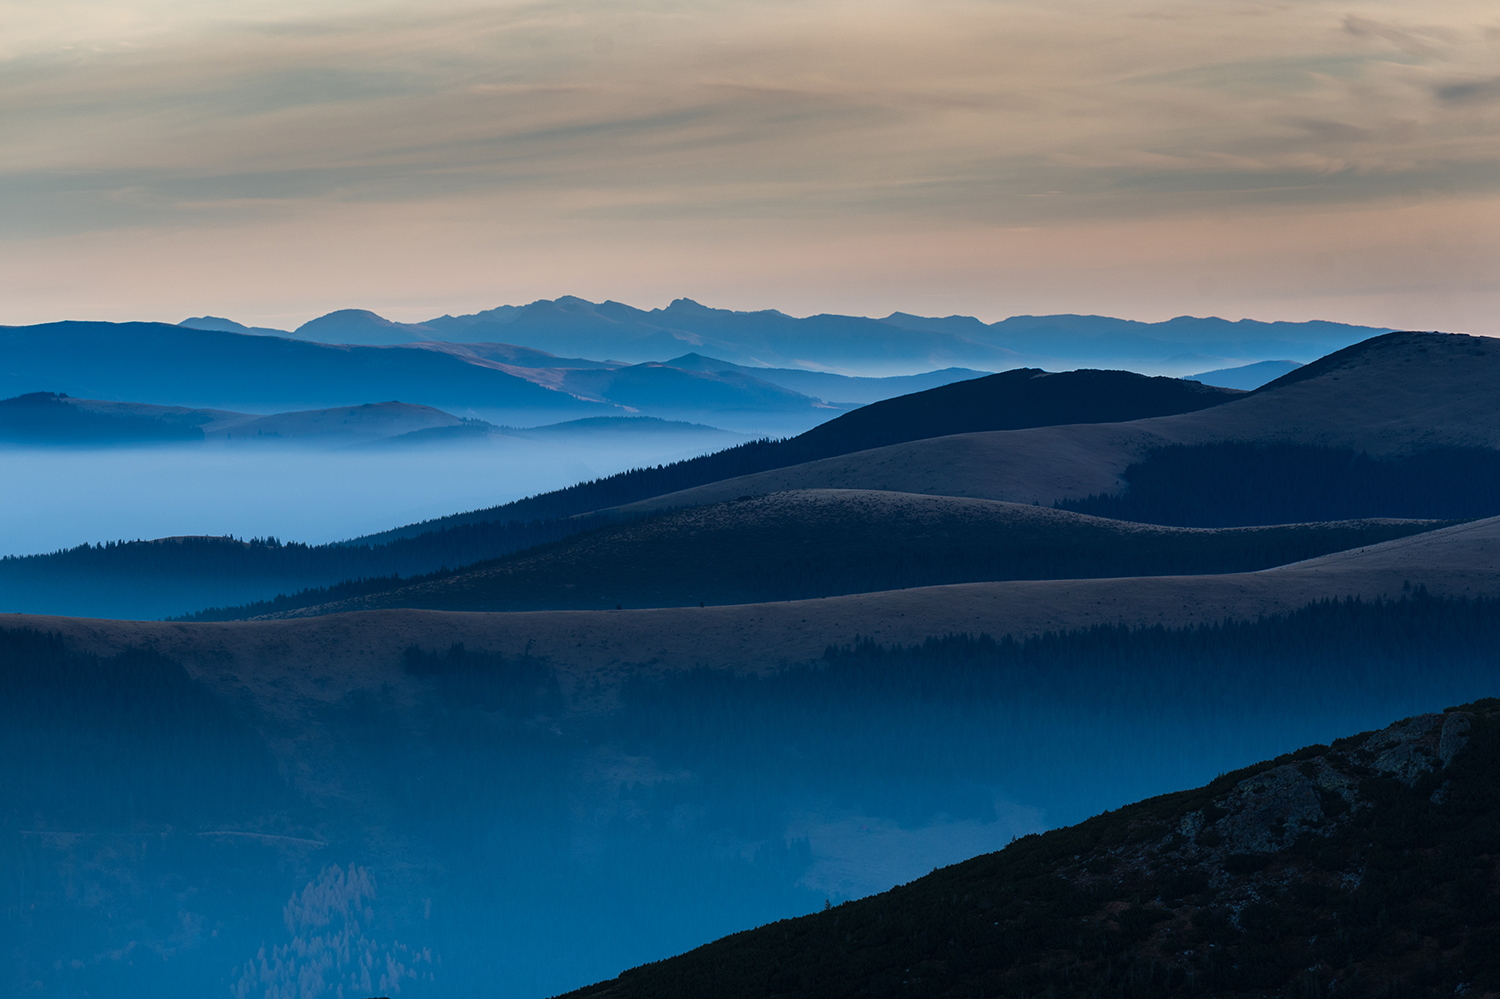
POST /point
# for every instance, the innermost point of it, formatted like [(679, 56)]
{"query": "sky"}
[(273, 161)]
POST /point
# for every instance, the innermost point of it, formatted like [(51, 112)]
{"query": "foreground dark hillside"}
[(818, 543), (1362, 868)]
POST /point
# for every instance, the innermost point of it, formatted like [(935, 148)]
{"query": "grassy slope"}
[(316, 656), (1007, 401), (818, 543), (1366, 868), (1394, 394)]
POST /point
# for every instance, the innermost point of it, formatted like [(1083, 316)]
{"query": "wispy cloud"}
[(534, 118)]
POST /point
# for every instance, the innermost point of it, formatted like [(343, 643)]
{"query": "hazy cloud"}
[(555, 123), (1470, 91)]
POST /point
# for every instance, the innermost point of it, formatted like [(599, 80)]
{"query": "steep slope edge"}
[(1361, 867)]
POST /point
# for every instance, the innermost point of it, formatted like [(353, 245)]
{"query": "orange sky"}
[(273, 161)]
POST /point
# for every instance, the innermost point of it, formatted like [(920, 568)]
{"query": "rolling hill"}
[(800, 545), (1246, 376), (1074, 460), (87, 580), (830, 387), (1009, 399), (1462, 561), (1394, 394), (223, 370), (53, 419)]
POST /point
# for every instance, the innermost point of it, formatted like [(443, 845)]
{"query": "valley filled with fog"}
[(55, 499)]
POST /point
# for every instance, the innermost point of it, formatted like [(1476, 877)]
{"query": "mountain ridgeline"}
[(575, 326), (49, 418), (818, 543), (1010, 400), (184, 575)]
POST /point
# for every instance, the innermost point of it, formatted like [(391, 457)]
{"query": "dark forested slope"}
[(1011, 400), (1362, 868), (815, 543), (1236, 482)]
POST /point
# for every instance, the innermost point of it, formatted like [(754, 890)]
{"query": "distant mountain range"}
[(202, 369), (553, 361), (1246, 376), (898, 344), (54, 419)]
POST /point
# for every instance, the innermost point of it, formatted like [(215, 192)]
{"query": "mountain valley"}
[(759, 686)]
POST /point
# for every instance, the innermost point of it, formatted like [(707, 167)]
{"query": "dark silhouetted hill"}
[(52, 418), (1013, 398), (1393, 395), (1238, 483), (1010, 400), (795, 546), (1362, 868)]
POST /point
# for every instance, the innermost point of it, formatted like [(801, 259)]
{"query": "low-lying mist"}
[(62, 497)]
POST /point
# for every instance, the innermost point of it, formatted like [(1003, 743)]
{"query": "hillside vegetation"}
[(1232, 483), (798, 545), (1362, 868)]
